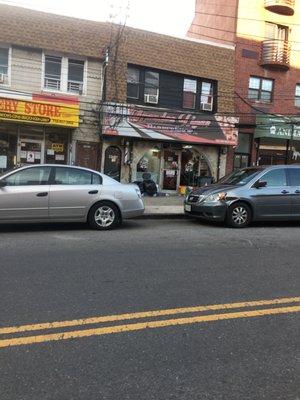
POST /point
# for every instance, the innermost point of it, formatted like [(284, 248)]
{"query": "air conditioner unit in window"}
[(151, 98), (206, 106), (2, 76)]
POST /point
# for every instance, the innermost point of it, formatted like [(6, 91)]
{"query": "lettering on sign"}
[(58, 147)]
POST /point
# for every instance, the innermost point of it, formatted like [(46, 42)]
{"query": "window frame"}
[(297, 97), (259, 90), (181, 77), (9, 49), (138, 83), (185, 78), (53, 176), (64, 78)]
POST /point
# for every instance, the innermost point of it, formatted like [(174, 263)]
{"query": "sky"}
[(171, 17)]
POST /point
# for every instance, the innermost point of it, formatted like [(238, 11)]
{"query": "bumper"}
[(210, 212), (136, 212)]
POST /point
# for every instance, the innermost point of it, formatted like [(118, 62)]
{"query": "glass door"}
[(30, 151), (171, 170)]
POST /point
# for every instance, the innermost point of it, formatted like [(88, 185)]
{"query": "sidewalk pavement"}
[(163, 207)]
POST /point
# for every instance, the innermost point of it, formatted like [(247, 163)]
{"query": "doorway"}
[(171, 169), (87, 155), (112, 162)]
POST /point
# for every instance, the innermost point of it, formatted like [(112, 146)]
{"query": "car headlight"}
[(213, 198)]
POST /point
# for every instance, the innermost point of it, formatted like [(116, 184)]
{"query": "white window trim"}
[(3, 46), (64, 74)]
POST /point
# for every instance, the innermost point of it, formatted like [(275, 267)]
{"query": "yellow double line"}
[(287, 305)]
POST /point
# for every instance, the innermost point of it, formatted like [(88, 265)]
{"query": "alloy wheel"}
[(104, 216), (239, 215)]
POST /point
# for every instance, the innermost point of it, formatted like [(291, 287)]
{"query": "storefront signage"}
[(173, 126), (39, 109), (58, 147), (277, 127)]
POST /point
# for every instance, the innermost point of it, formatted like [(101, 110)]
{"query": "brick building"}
[(50, 88), (266, 35), (164, 113)]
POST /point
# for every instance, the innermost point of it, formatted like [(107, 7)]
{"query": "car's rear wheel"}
[(104, 216), (239, 215)]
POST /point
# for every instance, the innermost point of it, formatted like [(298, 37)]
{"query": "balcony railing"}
[(285, 7), (275, 54)]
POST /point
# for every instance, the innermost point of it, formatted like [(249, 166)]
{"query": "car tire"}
[(104, 216), (239, 215)]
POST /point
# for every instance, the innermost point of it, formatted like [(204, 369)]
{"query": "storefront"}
[(35, 129), (176, 149), (277, 140)]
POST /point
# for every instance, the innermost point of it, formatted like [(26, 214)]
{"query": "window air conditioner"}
[(206, 106), (151, 98)]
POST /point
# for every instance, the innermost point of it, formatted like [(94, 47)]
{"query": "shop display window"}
[(150, 162), (56, 146)]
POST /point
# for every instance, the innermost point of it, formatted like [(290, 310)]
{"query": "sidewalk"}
[(163, 207)]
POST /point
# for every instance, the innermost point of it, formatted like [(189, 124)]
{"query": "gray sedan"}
[(61, 193), (251, 194)]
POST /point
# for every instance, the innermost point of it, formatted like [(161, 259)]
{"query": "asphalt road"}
[(66, 273)]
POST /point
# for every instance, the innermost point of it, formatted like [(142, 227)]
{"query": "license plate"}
[(188, 208)]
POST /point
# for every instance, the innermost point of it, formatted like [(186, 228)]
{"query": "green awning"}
[(268, 126)]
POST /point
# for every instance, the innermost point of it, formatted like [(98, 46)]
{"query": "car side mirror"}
[(260, 184)]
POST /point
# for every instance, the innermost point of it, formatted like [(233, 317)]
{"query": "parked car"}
[(61, 193), (250, 194)]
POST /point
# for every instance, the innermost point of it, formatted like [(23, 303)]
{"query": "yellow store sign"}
[(40, 109)]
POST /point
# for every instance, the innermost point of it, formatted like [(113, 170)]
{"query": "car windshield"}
[(240, 177)]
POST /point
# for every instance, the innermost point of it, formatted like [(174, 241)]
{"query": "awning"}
[(269, 126), (165, 125)]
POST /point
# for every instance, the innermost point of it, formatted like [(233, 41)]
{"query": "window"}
[(297, 95), (4, 55), (72, 176), (64, 74), (52, 72), (97, 179), (189, 93), (151, 87), (133, 83), (30, 176), (260, 89), (275, 178), (276, 32), (294, 175), (75, 76), (206, 96)]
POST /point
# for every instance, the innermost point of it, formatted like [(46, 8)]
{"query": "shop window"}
[(297, 95), (206, 96), (151, 90), (242, 152), (189, 93), (260, 89), (52, 72), (150, 162), (8, 146), (75, 76), (133, 83), (195, 170)]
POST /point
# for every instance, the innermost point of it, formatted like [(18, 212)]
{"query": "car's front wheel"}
[(239, 215), (104, 215)]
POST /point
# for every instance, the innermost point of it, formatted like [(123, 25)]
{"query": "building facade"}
[(50, 89), (265, 34), (163, 114)]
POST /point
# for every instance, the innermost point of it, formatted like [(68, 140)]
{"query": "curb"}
[(162, 216)]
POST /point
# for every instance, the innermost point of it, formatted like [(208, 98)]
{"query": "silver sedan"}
[(61, 193)]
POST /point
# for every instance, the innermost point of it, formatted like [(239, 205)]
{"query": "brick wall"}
[(168, 53)]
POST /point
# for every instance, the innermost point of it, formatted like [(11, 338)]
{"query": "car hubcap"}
[(104, 216), (239, 215)]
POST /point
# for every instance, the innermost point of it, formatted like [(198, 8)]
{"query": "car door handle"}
[(285, 192), (42, 194), (297, 192), (93, 191)]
